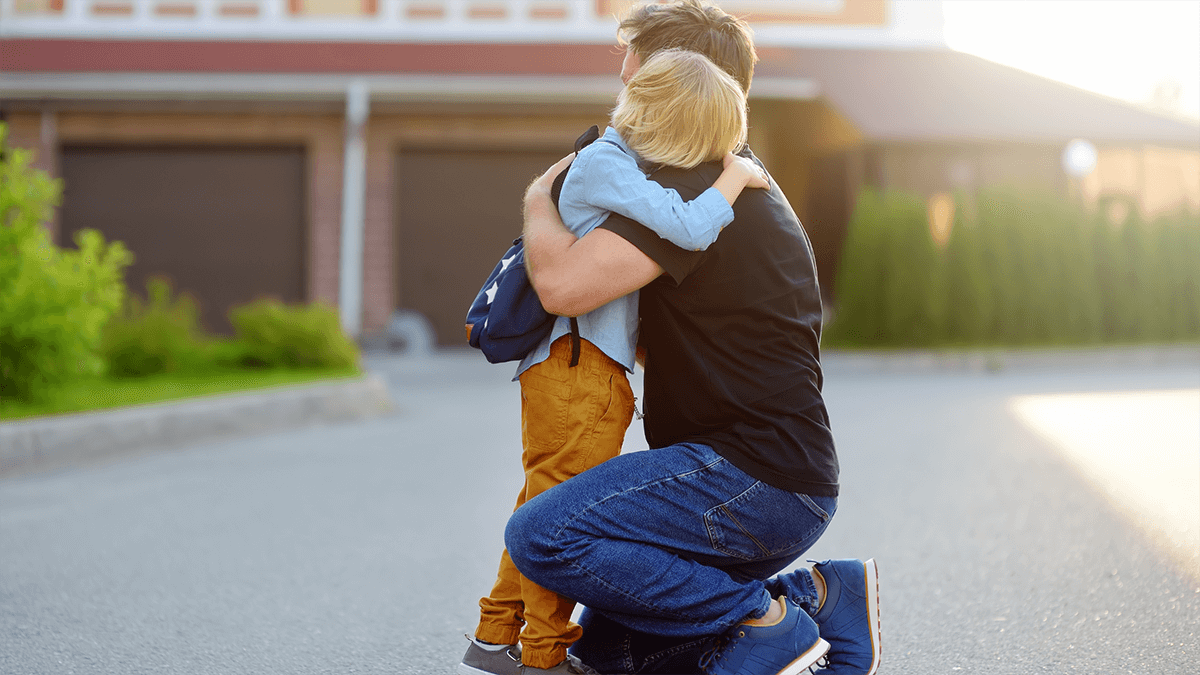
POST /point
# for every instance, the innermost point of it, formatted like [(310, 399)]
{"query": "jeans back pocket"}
[(764, 522)]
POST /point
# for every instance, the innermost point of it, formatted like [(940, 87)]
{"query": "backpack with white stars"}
[(507, 320)]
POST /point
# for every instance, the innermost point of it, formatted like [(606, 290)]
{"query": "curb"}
[(68, 440), (1007, 359)]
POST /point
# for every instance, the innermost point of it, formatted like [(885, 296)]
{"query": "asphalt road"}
[(363, 548)]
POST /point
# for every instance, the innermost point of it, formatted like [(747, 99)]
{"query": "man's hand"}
[(574, 276), (543, 183)]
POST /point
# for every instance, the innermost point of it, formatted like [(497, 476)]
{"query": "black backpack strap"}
[(574, 342), (588, 137)]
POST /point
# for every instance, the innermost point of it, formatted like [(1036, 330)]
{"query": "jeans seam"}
[(812, 506), (742, 528)]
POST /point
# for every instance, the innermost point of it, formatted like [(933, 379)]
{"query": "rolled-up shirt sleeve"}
[(606, 177), (675, 261)]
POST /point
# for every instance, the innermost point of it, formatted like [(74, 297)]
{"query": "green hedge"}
[(162, 334), (274, 335), (1018, 269)]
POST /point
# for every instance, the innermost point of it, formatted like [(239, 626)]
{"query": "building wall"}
[(926, 169), (1160, 180)]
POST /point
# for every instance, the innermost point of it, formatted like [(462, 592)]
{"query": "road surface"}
[(363, 548)]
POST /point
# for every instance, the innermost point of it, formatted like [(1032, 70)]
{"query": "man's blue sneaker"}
[(787, 647), (849, 616)]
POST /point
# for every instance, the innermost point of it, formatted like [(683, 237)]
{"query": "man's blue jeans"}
[(666, 547)]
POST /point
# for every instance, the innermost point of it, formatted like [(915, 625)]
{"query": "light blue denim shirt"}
[(608, 177)]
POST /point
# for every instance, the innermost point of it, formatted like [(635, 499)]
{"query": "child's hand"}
[(754, 175)]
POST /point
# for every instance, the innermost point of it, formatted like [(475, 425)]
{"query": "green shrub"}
[(159, 335), (163, 335), (273, 335), (53, 302), (1019, 268)]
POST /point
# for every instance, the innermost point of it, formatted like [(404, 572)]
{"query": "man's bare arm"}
[(573, 276)]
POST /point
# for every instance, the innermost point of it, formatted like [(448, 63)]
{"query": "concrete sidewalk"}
[(66, 440)]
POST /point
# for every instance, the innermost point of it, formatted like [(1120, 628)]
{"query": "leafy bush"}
[(890, 286), (1019, 268), (160, 335), (53, 302), (273, 335), (163, 335)]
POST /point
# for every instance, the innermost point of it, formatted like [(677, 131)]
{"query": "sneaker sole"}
[(807, 659), (871, 579), (464, 669)]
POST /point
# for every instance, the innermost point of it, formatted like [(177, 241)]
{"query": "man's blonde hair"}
[(691, 24), (680, 109)]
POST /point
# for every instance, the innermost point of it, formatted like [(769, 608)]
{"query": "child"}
[(678, 110)]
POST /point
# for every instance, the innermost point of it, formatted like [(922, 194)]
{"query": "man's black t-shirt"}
[(731, 337)]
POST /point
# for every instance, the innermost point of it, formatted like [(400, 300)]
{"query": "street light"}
[(1079, 161), (1079, 158)]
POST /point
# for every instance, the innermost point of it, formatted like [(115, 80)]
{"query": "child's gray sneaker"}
[(569, 666), (479, 661)]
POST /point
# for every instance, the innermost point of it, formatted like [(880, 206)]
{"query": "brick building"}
[(372, 153)]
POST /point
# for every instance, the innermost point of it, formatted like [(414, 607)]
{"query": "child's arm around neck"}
[(604, 176), (739, 174)]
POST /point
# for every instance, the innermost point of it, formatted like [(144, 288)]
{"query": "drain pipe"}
[(354, 195)]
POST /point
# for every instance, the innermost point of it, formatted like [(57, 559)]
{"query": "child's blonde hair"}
[(681, 110)]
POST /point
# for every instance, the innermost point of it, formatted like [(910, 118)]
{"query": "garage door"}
[(458, 211), (224, 224)]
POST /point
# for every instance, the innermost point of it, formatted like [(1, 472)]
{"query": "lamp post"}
[(1079, 161), (354, 170)]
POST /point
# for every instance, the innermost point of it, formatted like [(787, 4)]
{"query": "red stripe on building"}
[(92, 56)]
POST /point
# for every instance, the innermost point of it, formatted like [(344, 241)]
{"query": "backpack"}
[(507, 321)]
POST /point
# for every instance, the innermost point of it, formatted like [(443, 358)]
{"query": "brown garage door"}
[(458, 211), (225, 224)]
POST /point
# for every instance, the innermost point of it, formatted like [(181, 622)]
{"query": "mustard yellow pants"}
[(571, 420)]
